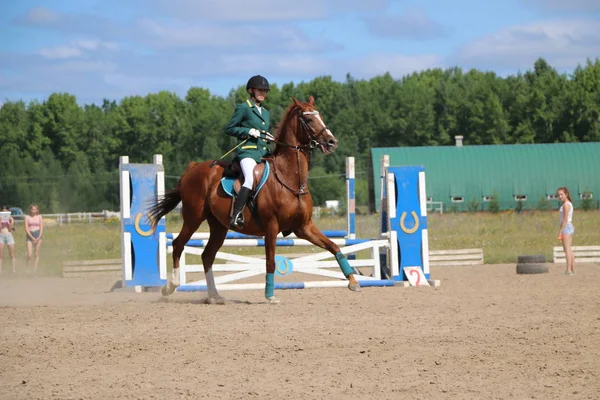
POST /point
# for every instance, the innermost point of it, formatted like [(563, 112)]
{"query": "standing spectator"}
[(6, 238), (34, 229), (566, 231)]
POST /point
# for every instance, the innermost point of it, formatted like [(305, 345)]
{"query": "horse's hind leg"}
[(218, 232), (311, 233), (191, 222)]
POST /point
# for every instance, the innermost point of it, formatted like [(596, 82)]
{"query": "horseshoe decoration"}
[(139, 230), (404, 228)]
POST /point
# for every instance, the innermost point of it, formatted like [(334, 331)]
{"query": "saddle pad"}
[(227, 182), (227, 185)]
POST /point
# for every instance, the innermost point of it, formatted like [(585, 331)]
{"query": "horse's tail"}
[(164, 205)]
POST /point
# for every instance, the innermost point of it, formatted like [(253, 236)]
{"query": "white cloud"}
[(278, 37), (413, 24), (264, 10), (142, 84), (81, 66), (76, 49), (66, 51), (91, 25), (160, 33), (565, 5), (96, 44), (563, 43), (397, 65), (122, 73), (42, 16), (272, 64)]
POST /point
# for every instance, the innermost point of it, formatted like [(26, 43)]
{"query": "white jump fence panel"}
[(440, 258), (583, 254), (240, 267)]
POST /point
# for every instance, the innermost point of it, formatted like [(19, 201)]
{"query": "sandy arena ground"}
[(486, 333)]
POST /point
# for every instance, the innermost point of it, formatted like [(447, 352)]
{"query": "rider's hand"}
[(254, 133)]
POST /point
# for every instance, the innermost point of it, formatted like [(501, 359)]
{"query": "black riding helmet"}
[(257, 82)]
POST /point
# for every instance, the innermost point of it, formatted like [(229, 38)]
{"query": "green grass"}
[(503, 236)]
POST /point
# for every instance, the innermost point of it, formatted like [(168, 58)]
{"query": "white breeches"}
[(248, 165)]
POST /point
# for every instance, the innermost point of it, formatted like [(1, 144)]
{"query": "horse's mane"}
[(285, 120), (283, 127)]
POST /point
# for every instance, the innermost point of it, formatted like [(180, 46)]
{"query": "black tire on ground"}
[(532, 259), (532, 268)]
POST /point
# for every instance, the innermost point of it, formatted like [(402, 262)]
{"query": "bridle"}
[(313, 143), (313, 140)]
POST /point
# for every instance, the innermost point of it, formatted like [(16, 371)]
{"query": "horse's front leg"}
[(311, 233), (270, 245)]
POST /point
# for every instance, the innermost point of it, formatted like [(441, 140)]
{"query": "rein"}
[(313, 143)]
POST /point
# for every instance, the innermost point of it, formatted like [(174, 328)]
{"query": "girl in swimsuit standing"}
[(6, 239), (566, 230), (34, 229)]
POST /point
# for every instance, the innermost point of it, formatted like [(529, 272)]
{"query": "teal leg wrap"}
[(344, 264), (270, 279)]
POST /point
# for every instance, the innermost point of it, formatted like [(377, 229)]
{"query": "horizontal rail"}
[(438, 258), (71, 269), (583, 254), (237, 235), (261, 242)]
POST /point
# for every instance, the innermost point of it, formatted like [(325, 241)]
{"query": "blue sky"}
[(115, 48)]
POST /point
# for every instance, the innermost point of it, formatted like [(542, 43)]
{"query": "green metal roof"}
[(471, 172)]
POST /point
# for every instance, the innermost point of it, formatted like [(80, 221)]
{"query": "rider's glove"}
[(254, 133)]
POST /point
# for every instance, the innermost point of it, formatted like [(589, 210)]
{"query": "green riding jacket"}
[(245, 117)]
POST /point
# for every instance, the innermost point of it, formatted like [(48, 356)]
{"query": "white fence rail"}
[(79, 217)]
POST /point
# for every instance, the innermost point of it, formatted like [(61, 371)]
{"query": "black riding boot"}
[(237, 220)]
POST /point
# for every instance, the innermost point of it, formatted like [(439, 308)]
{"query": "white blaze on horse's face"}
[(327, 142)]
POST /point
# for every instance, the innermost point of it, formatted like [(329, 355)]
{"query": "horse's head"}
[(316, 133)]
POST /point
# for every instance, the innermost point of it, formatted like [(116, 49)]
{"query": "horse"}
[(283, 204)]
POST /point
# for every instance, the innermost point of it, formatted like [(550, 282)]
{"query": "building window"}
[(487, 198), (552, 196), (520, 197), (586, 196), (458, 199)]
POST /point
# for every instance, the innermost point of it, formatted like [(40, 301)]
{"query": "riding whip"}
[(212, 164)]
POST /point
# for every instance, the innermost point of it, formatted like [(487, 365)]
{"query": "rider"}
[(250, 124)]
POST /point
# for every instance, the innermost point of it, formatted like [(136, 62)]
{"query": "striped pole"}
[(237, 235), (287, 285), (384, 254), (261, 242), (350, 197), (385, 163)]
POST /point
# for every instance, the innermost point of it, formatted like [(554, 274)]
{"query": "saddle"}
[(233, 178), (231, 183)]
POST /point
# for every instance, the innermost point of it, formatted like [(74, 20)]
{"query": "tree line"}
[(64, 156)]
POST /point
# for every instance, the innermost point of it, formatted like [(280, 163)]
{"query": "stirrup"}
[(237, 221)]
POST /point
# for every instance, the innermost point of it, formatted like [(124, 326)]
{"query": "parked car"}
[(17, 213)]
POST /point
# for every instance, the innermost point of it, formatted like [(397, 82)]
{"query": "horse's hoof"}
[(273, 300), (168, 289), (214, 300), (355, 287)]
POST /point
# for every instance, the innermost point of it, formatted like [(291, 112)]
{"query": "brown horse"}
[(284, 203)]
